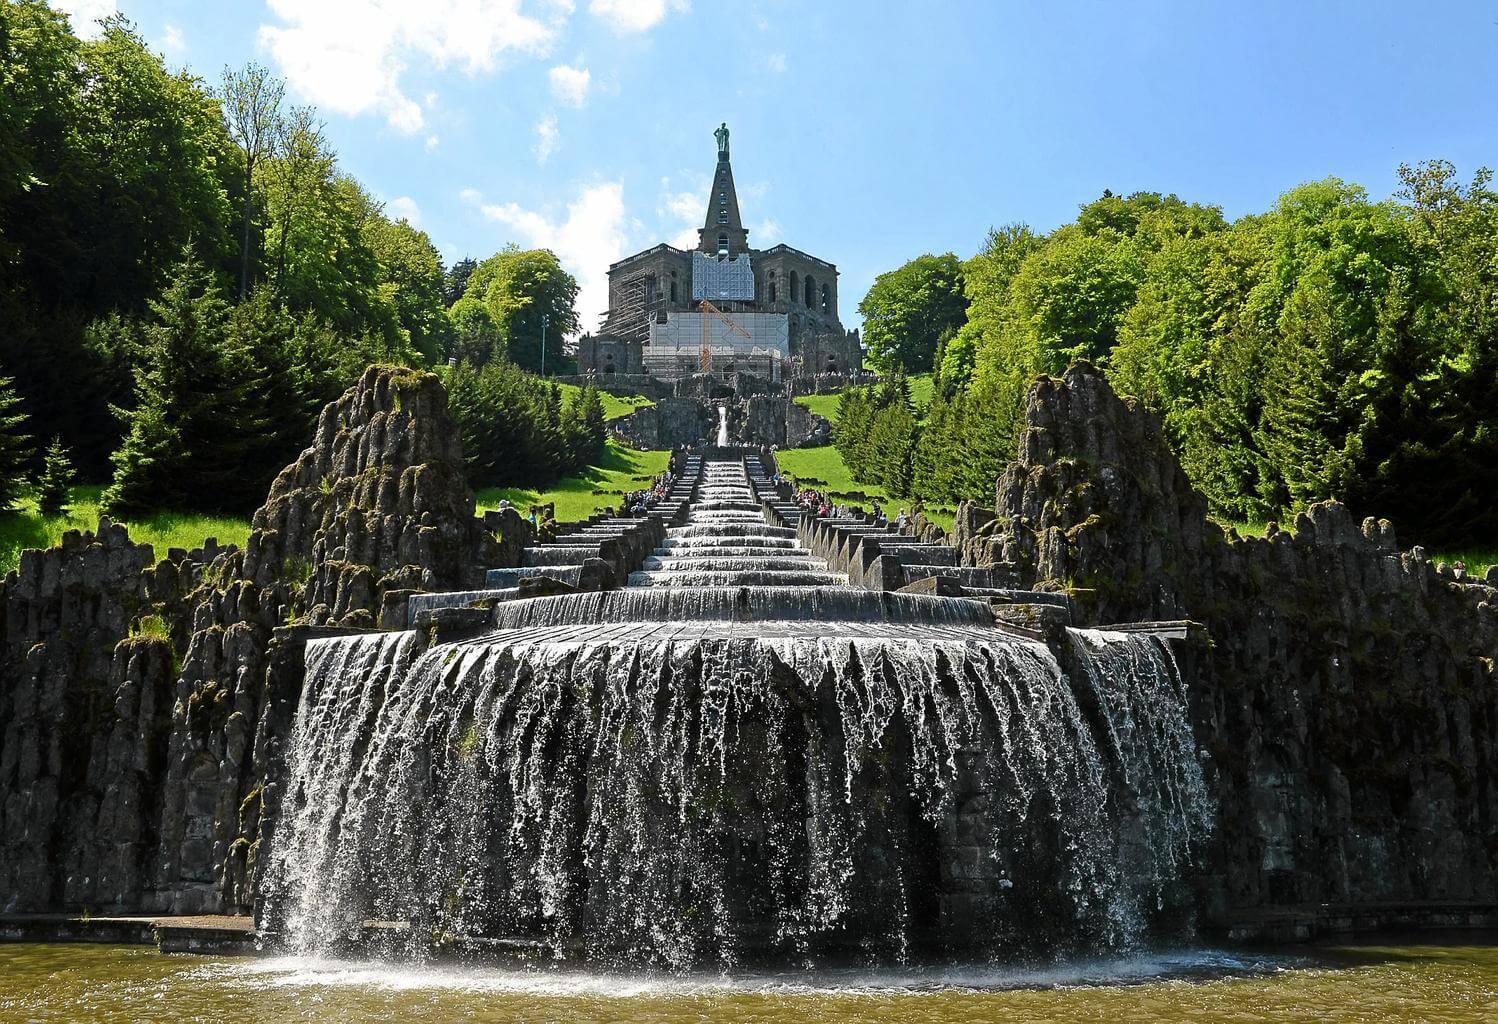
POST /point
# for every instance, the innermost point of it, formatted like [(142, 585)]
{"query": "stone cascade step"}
[(726, 540), (558, 554), (969, 576), (737, 578), (507, 578)]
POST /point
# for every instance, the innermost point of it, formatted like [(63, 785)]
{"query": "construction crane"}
[(709, 310)]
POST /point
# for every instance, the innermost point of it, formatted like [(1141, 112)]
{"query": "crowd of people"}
[(821, 505), (637, 503)]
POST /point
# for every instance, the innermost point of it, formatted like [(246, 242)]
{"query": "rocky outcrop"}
[(669, 423), (142, 704), (88, 641), (777, 420), (1348, 702), (378, 504)]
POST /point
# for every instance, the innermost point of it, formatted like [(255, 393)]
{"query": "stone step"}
[(569, 574), (966, 575), (558, 554)]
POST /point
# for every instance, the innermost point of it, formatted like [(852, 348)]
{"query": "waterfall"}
[(722, 426), (684, 774), (677, 801)]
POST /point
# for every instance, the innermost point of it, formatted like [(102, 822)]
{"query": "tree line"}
[(1331, 346), (187, 275)]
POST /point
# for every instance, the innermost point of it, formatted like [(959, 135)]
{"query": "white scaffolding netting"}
[(718, 278), (675, 347)]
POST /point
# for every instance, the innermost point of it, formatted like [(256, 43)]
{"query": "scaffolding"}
[(685, 343), (638, 305)]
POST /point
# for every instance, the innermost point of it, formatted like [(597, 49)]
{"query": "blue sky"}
[(864, 132)]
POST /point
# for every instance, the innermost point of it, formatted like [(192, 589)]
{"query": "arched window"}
[(811, 292), (826, 299), (673, 288), (723, 244), (722, 216), (772, 286), (792, 296)]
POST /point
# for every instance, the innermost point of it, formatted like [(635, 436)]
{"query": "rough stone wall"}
[(84, 714), (378, 505), (668, 423), (1347, 702), (777, 420), (142, 704)]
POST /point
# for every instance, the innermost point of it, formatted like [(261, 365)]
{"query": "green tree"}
[(476, 336), (409, 263), (455, 280), (523, 289), (252, 111), (157, 149), (188, 430), (15, 445), (909, 309), (55, 480)]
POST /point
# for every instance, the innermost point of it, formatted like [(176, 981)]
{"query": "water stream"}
[(738, 758)]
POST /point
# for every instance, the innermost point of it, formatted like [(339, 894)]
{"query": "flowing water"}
[(1350, 985), (738, 759)]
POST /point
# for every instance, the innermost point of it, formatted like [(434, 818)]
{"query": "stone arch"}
[(723, 244), (794, 282), (826, 303), (811, 292), (772, 286)]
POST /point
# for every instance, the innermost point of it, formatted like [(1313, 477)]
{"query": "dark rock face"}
[(669, 423), (779, 421), (141, 705), (1348, 699), (83, 713), (377, 504)]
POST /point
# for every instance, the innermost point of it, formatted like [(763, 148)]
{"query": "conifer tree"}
[(594, 424), (15, 445), (55, 481), (189, 430)]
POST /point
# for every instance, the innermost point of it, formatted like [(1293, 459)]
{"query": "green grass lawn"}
[(824, 406), (620, 469), (28, 528), (823, 469), (614, 406), (921, 389)]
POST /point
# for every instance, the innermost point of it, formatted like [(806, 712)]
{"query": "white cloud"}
[(570, 85), (688, 208), (431, 143), (172, 42), (404, 208), (86, 14), (635, 15), (349, 56), (777, 63), (547, 138), (591, 237), (767, 232)]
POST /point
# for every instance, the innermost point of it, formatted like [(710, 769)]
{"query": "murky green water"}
[(1361, 984)]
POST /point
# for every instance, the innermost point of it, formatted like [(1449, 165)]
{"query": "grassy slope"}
[(614, 406), (620, 469), (27, 528), (823, 469), (921, 388)]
